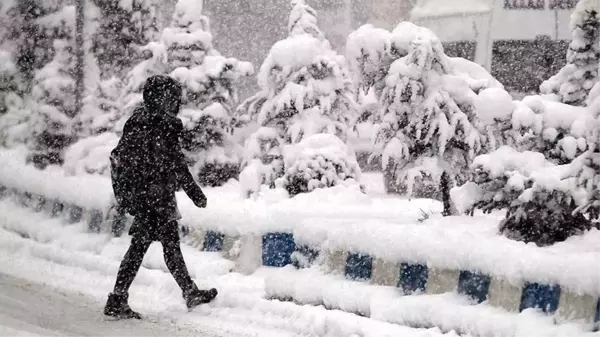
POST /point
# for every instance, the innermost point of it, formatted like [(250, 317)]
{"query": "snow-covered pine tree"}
[(14, 113), (209, 83), (547, 181), (305, 89), (431, 128), (574, 81), (26, 36), (53, 93), (155, 63), (100, 111), (124, 25), (370, 54)]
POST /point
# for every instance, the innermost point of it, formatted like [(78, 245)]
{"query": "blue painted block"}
[(413, 278), (277, 249), (75, 214), (540, 296), (57, 208), (308, 253), (213, 241), (359, 266), (474, 285), (96, 218)]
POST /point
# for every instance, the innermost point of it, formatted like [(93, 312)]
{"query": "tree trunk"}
[(79, 56), (445, 186), (26, 49)]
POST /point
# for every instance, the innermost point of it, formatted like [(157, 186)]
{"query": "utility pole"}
[(79, 55)]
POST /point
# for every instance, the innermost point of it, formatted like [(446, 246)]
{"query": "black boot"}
[(195, 297), (117, 306)]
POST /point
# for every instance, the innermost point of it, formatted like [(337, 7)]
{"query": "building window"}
[(563, 4), (525, 4)]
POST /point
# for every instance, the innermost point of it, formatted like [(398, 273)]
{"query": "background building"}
[(522, 42)]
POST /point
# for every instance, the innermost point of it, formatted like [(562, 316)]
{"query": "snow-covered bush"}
[(124, 25), (557, 130), (209, 83), (100, 111), (263, 162), (305, 86), (432, 120), (90, 155), (214, 155), (155, 63), (318, 161), (535, 179), (31, 28), (370, 55), (574, 81), (53, 93), (541, 198), (14, 113)]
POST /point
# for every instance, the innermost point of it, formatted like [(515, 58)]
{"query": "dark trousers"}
[(167, 234)]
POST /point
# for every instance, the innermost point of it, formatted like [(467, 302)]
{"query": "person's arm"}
[(184, 176)]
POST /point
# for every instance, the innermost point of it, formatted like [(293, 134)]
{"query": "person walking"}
[(147, 168)]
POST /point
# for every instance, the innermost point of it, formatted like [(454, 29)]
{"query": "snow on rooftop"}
[(436, 8)]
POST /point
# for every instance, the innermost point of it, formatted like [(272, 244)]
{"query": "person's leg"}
[(176, 265), (132, 261), (174, 257), (117, 303)]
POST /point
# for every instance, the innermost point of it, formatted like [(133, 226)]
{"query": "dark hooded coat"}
[(150, 147)]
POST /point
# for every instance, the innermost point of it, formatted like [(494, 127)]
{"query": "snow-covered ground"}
[(50, 253)]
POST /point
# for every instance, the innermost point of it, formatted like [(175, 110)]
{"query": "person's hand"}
[(201, 202)]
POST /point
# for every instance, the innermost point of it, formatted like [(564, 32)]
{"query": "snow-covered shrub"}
[(100, 111), (305, 86), (263, 162), (574, 81), (90, 155), (209, 146), (53, 93), (370, 55), (557, 130), (124, 25), (540, 197), (209, 83), (536, 179), (13, 111), (31, 28), (154, 63), (319, 161), (430, 121)]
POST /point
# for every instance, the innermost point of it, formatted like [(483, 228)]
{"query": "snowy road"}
[(33, 309)]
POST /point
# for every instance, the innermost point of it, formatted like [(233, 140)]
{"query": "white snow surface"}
[(342, 217), (66, 258), (494, 104)]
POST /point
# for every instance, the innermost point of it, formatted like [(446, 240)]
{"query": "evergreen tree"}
[(209, 81), (305, 89), (431, 127), (548, 182), (53, 93), (124, 26), (574, 82), (13, 110)]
